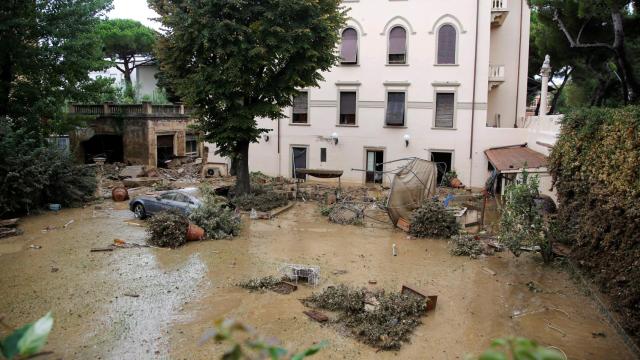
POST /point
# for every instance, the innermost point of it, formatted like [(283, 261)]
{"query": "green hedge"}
[(596, 169)]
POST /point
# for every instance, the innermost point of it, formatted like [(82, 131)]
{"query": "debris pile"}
[(432, 219), (168, 229), (384, 321), (264, 201), (466, 245), (346, 213), (9, 228), (272, 283), (259, 284)]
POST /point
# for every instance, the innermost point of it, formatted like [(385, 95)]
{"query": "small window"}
[(447, 38), (300, 108), (347, 108), (349, 47), (398, 45), (191, 145), (444, 110), (395, 108), (323, 154)]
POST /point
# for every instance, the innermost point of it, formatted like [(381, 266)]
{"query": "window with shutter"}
[(395, 108), (445, 107), (300, 108), (347, 108), (398, 45), (447, 38), (349, 47)]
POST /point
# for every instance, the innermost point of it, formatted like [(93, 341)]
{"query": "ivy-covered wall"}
[(596, 169)]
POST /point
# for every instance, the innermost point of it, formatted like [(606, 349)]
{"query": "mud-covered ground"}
[(156, 303)]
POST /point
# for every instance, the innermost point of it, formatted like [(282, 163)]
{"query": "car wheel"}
[(139, 211)]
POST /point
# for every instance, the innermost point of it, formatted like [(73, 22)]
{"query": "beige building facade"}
[(418, 78)]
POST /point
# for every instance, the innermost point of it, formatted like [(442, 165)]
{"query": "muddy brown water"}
[(147, 303)]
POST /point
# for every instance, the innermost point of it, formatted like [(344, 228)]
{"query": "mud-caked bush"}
[(386, 322), (261, 202), (168, 229), (432, 220), (465, 245)]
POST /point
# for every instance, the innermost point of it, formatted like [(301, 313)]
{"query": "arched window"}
[(349, 46), (447, 37), (397, 45)]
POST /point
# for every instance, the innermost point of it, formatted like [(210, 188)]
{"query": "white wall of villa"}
[(498, 70)]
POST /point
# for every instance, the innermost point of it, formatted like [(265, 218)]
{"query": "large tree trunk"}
[(6, 80), (626, 69), (243, 183)]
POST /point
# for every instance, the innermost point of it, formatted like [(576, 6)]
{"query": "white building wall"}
[(420, 78)]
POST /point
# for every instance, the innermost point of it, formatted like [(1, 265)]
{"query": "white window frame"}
[(308, 123), (449, 89), (437, 33)]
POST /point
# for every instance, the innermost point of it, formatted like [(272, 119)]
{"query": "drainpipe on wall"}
[(515, 124), (473, 97), (278, 157)]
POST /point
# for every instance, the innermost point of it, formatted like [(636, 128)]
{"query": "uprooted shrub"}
[(261, 202), (217, 220), (466, 245), (35, 173), (596, 166), (521, 221), (432, 220), (388, 321), (168, 229)]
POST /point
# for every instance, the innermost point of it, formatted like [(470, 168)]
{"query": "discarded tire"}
[(195, 233), (119, 194)]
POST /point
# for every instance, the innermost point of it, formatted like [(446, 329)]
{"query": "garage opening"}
[(108, 146), (444, 161), (164, 149), (375, 167)]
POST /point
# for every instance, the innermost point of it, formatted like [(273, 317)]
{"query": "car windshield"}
[(168, 196)]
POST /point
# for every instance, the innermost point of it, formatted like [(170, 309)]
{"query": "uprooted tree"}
[(243, 60)]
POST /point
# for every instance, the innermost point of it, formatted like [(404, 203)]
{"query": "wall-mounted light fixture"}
[(406, 138), (334, 137), (265, 137)]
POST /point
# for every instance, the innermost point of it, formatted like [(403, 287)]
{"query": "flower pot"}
[(119, 194), (195, 233)]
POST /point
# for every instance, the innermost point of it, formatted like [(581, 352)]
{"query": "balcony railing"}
[(496, 75), (499, 12), (498, 5), (146, 108)]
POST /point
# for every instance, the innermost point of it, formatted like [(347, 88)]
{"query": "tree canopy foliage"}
[(48, 49), (235, 61), (128, 43), (594, 47)]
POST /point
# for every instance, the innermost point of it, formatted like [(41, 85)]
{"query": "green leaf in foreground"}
[(36, 335)]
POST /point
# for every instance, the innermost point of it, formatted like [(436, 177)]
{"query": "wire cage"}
[(295, 272)]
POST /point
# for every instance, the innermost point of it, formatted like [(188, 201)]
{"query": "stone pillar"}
[(545, 72)]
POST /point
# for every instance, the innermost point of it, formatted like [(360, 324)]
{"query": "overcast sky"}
[(134, 9)]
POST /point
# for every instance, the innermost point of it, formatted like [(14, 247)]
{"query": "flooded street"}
[(141, 303)]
